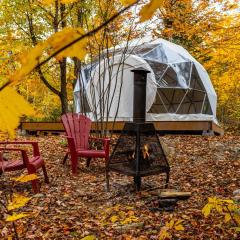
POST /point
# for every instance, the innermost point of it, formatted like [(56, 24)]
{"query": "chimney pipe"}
[(139, 95)]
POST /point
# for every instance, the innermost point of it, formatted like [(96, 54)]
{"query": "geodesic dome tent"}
[(178, 86)]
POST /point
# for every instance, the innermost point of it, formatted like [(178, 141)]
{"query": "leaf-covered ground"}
[(72, 207)]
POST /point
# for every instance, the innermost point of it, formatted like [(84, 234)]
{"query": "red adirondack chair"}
[(77, 129), (32, 164)]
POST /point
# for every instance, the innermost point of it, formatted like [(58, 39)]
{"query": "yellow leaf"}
[(15, 216), (228, 201), (46, 2), (231, 207), (29, 60), (49, 2), (89, 237), (66, 36), (206, 209), (219, 208), (213, 200), (149, 9), (129, 208), (114, 219), (116, 207), (131, 213), (227, 217), (129, 220), (68, 1), (133, 218), (26, 178), (179, 227), (170, 224), (127, 2), (178, 222), (53, 44), (12, 107), (164, 234), (121, 214), (17, 202), (237, 229), (237, 218)]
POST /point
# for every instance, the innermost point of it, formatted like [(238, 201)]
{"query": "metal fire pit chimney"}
[(138, 151), (139, 95)]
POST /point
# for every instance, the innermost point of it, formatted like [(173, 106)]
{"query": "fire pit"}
[(138, 151)]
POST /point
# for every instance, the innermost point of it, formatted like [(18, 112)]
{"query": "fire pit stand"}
[(138, 151)]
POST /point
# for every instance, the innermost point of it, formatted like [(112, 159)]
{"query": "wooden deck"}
[(163, 127)]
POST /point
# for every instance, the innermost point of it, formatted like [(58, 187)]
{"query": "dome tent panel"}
[(169, 78), (80, 96), (157, 53), (179, 87), (183, 53), (195, 80), (192, 102), (81, 102), (212, 97), (206, 107), (183, 71), (172, 75), (169, 100), (162, 53), (158, 68), (114, 96), (142, 50)]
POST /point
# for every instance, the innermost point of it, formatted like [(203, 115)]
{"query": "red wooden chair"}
[(77, 129), (32, 164)]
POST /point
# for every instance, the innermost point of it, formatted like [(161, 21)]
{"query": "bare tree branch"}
[(87, 34)]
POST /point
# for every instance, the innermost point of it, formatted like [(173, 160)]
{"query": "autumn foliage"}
[(43, 45), (60, 30)]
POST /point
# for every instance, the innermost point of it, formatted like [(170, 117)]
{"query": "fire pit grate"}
[(138, 151), (152, 159)]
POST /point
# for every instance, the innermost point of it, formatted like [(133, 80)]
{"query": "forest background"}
[(208, 29)]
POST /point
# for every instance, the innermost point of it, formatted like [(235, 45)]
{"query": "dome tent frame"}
[(178, 87)]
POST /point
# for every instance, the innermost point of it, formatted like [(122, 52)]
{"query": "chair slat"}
[(78, 127)]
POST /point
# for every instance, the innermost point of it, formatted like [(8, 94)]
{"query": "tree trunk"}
[(77, 68), (63, 94), (63, 70), (63, 64), (64, 103)]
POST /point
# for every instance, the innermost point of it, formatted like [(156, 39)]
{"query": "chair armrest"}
[(23, 152), (36, 151), (12, 149)]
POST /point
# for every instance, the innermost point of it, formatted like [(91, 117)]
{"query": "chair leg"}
[(46, 179), (74, 163), (107, 180), (65, 158), (35, 186), (35, 183), (88, 162), (107, 173), (167, 179)]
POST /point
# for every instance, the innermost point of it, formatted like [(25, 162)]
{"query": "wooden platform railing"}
[(163, 127)]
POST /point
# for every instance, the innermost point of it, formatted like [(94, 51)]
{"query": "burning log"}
[(147, 156)]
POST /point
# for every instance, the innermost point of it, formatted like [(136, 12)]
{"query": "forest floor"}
[(72, 207)]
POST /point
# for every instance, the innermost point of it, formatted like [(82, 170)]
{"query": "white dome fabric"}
[(115, 96), (178, 87)]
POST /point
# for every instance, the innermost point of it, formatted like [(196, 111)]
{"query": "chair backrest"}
[(78, 127)]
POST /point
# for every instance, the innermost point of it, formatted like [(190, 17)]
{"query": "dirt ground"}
[(72, 207)]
